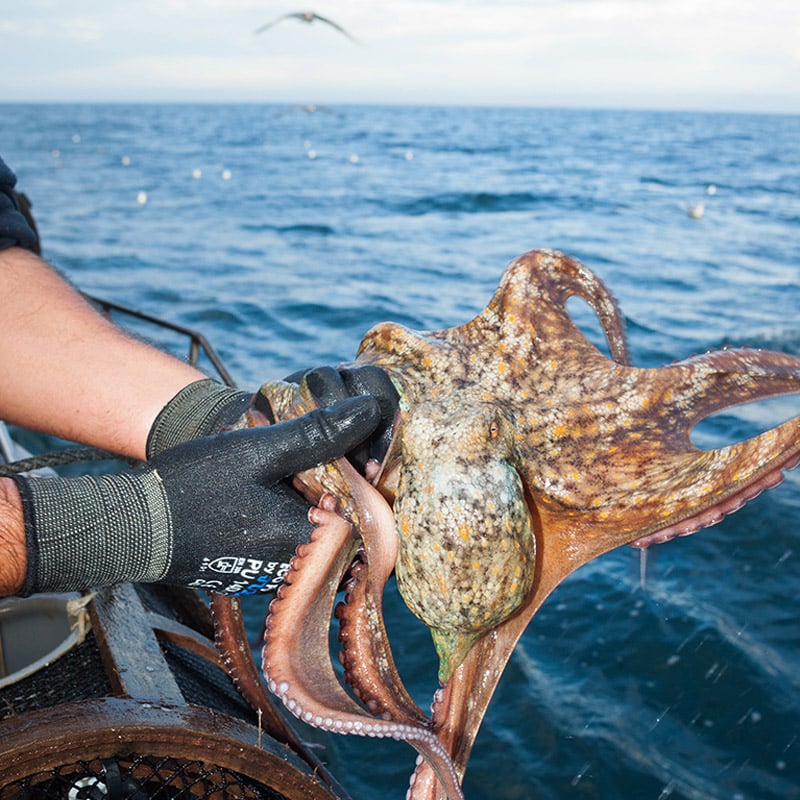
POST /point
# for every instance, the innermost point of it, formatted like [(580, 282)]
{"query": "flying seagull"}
[(305, 16)]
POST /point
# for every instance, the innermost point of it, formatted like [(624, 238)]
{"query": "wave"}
[(476, 202), (305, 228)]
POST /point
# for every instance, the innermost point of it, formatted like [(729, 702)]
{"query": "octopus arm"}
[(303, 677), (366, 655)]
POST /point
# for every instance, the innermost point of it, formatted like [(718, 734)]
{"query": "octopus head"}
[(466, 550)]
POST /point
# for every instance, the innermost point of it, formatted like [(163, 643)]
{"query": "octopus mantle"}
[(520, 452)]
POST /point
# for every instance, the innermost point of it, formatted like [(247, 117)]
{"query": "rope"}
[(71, 455)]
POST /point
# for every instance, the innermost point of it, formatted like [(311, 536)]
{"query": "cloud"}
[(567, 51)]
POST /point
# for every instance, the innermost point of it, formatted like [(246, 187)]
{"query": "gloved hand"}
[(211, 513), (207, 407), (329, 385)]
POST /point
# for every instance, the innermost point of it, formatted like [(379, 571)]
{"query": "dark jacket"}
[(14, 228)]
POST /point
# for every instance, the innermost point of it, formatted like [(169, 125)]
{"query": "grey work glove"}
[(207, 407), (212, 513)]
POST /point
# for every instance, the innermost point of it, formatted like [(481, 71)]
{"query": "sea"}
[(283, 233)]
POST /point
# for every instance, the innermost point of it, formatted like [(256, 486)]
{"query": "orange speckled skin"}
[(585, 446)]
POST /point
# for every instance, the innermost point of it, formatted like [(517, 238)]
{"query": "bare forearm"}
[(66, 370), (13, 558)]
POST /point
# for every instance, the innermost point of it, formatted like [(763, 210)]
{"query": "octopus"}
[(520, 452)]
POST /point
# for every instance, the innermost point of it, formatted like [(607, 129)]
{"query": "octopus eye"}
[(494, 429)]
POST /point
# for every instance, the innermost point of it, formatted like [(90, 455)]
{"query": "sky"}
[(737, 55)]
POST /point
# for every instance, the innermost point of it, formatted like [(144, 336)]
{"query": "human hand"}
[(207, 407), (212, 513)]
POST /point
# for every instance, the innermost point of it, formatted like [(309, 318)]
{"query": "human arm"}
[(68, 371), (13, 555), (64, 368)]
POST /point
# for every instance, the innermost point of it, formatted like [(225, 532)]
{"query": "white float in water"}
[(697, 210)]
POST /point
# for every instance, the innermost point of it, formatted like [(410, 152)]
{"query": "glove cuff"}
[(202, 408), (95, 531)]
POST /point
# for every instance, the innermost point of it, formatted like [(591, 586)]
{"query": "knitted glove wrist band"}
[(95, 531), (200, 409)]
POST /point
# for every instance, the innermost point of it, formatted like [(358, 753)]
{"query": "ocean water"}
[(282, 235)]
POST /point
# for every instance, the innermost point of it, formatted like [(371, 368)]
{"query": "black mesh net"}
[(137, 777), (77, 675)]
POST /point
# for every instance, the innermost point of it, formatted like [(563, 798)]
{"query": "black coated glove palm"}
[(211, 513)]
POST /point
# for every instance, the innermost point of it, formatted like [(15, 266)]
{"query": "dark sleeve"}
[(14, 229)]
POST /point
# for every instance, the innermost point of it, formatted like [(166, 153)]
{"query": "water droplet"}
[(141, 198), (581, 772), (197, 173), (667, 791), (125, 161)]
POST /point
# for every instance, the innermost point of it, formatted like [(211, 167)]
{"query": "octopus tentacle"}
[(717, 512), (702, 385), (561, 277), (305, 680), (366, 654), (230, 639), (368, 665)]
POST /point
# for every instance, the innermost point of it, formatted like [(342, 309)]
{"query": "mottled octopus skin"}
[(521, 452), (477, 539)]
